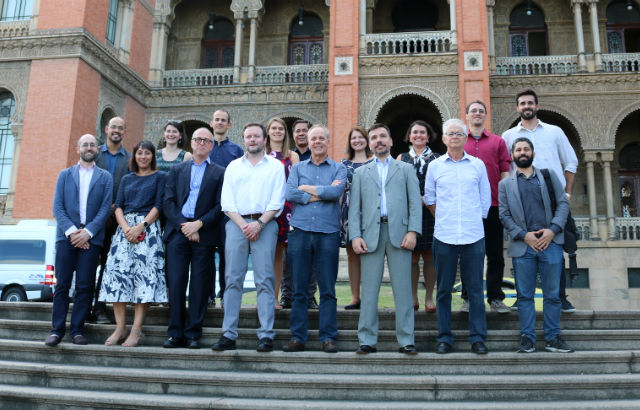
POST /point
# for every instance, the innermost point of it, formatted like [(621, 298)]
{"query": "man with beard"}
[(554, 153), (81, 207), (534, 218), (252, 197)]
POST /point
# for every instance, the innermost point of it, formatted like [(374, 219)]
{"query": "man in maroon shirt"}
[(492, 150)]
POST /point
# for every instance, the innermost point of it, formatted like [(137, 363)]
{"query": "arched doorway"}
[(218, 44), (527, 31), (306, 42), (627, 156), (401, 111), (7, 108), (106, 116), (623, 27), (189, 127)]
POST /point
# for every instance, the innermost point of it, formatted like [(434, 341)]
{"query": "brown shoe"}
[(329, 346), (293, 346)]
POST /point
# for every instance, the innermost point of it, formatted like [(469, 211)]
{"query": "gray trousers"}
[(236, 251), (399, 261)]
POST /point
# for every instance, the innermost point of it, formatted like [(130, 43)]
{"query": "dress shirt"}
[(224, 152), (320, 216), (532, 205), (112, 159), (551, 145), (249, 189), (305, 156), (197, 173), (492, 150), (84, 181), (383, 170), (462, 195)]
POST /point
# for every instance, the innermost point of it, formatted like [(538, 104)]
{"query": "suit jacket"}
[(512, 213), (404, 205), (122, 169), (208, 208), (66, 203)]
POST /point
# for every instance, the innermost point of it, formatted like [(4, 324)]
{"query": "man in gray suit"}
[(534, 213), (385, 215)]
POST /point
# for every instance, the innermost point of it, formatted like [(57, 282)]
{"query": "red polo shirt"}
[(492, 150)]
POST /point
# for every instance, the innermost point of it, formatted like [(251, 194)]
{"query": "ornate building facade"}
[(66, 68)]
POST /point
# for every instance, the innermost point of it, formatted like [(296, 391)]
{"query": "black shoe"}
[(366, 349), (567, 307), (526, 345), (174, 342), (101, 318), (479, 348), (265, 345), (312, 303), (443, 348), (285, 303), (224, 344), (354, 306), (408, 349), (79, 340), (52, 340), (293, 346), (558, 345), (329, 346), (193, 344)]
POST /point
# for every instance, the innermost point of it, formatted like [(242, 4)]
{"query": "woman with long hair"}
[(171, 152), (277, 146)]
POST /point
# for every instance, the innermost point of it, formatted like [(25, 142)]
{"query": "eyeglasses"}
[(89, 145), (454, 134), (202, 140)]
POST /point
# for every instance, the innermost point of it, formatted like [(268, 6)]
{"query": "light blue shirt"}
[(383, 170), (462, 195), (197, 172)]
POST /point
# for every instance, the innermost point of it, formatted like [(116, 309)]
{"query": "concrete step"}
[(390, 363), (497, 340), (314, 386), (46, 398)]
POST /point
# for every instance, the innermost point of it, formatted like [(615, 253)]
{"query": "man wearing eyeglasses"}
[(458, 194), (192, 208)]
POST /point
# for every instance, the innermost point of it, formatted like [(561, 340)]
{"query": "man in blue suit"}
[(81, 206), (192, 208)]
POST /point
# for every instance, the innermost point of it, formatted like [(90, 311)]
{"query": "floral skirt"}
[(135, 272)]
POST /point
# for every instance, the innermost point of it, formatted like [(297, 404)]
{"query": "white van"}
[(27, 259)]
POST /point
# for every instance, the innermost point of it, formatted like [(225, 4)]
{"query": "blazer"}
[(122, 169), (208, 208), (512, 213), (404, 205), (66, 203)]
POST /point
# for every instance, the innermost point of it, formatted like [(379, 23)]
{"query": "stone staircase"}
[(603, 373)]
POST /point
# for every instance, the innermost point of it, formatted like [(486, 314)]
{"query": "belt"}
[(253, 217), (384, 219)]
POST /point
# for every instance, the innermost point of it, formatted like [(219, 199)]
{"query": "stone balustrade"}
[(18, 28), (309, 73), (584, 231), (423, 42), (207, 77), (628, 228), (621, 62), (536, 65)]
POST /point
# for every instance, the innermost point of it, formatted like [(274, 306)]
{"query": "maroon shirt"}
[(492, 150)]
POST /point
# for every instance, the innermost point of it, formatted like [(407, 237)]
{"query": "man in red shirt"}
[(492, 150)]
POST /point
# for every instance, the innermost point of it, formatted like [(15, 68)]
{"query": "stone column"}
[(370, 5), (590, 157), (363, 17), (125, 30), (577, 21), (595, 33), (607, 158), (491, 41), (237, 54), (158, 49), (252, 46), (16, 131), (453, 20)]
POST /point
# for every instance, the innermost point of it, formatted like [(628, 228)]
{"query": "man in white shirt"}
[(458, 194), (252, 197)]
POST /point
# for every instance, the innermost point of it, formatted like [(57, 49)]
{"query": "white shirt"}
[(383, 171), (84, 180), (462, 195), (551, 146), (249, 189)]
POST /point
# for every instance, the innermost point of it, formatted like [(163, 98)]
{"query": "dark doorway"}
[(189, 127), (401, 111)]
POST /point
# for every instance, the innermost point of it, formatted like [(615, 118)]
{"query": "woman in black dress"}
[(420, 155)]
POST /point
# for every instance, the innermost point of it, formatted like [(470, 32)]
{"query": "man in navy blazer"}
[(81, 205), (192, 208)]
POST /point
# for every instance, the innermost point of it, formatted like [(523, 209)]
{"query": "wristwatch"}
[(145, 224), (260, 223)]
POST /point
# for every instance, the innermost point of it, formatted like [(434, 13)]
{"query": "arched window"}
[(218, 44), (16, 10), (623, 27), (7, 107), (414, 15), (527, 31), (629, 179), (106, 116), (306, 43)]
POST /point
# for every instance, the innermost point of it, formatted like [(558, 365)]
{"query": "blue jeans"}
[(320, 250), (445, 259), (549, 263)]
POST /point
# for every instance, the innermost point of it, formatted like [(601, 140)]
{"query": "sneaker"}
[(526, 345), (558, 345), (499, 306), (567, 307), (465, 306)]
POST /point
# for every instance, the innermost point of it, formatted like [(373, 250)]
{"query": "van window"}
[(22, 251)]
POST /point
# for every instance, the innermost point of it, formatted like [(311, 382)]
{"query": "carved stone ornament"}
[(343, 65), (473, 61)]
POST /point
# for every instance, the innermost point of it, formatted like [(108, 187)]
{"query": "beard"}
[(88, 156), (528, 114), (524, 161)]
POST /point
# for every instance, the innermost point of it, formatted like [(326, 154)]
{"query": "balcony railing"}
[(628, 228), (422, 42), (18, 28), (621, 62), (309, 73), (536, 65), (198, 77)]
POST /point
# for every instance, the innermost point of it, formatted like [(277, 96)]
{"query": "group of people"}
[(159, 217)]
